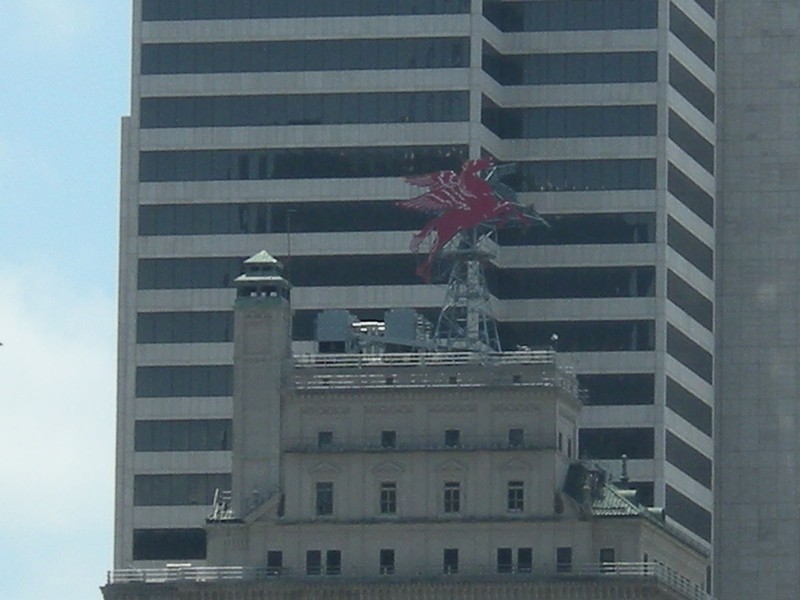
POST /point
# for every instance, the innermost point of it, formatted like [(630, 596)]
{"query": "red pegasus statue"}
[(461, 201)]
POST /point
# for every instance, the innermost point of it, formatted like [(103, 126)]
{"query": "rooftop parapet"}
[(613, 580), (536, 368)]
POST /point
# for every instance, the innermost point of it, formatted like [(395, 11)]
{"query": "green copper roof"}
[(616, 503), (262, 258)]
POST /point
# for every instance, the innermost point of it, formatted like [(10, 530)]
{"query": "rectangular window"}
[(504, 560), (516, 437), (607, 556), (689, 514), (388, 438), (581, 336), (691, 88), (691, 194), (183, 435), (386, 558), (388, 498), (618, 389), (308, 55), (178, 489), (274, 562), (690, 407), (324, 440), (689, 300), (313, 562), (333, 562), (452, 497), (452, 438), (516, 496), (450, 556), (564, 559), (612, 442), (688, 459), (290, 163), (324, 498), (524, 560), (686, 351), (169, 544), (690, 34)]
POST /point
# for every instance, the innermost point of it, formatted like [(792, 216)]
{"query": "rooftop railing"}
[(425, 359), (323, 371), (411, 443), (682, 586)]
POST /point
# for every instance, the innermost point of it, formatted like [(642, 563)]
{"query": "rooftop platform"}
[(539, 368)]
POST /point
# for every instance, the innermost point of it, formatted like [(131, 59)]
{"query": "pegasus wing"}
[(432, 180), (440, 200)]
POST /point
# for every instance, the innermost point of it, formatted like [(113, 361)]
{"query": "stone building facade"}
[(411, 473)]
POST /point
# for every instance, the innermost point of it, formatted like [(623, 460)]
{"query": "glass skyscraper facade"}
[(289, 125)]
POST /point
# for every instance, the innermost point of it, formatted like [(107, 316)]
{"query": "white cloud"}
[(57, 373)]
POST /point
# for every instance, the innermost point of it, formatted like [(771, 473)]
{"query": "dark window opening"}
[(697, 40), (571, 282), (524, 560), (274, 562), (607, 556), (689, 353), (691, 141), (515, 501), (568, 122), (183, 435), (365, 215), (690, 247), (618, 389), (324, 498), (689, 514), (302, 109), (184, 327), (557, 15), (184, 381), (612, 443), (296, 163), (196, 489), (324, 440), (504, 560), (304, 55), (450, 560), (690, 194), (691, 88), (388, 498), (386, 562), (569, 68), (452, 497), (689, 300), (313, 562), (169, 544), (580, 336), (690, 407), (516, 437), (173, 10), (564, 559), (333, 562), (689, 460), (388, 438), (452, 438)]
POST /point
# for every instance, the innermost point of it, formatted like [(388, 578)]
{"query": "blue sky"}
[(64, 84)]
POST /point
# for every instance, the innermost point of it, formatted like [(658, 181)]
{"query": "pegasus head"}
[(476, 165)]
